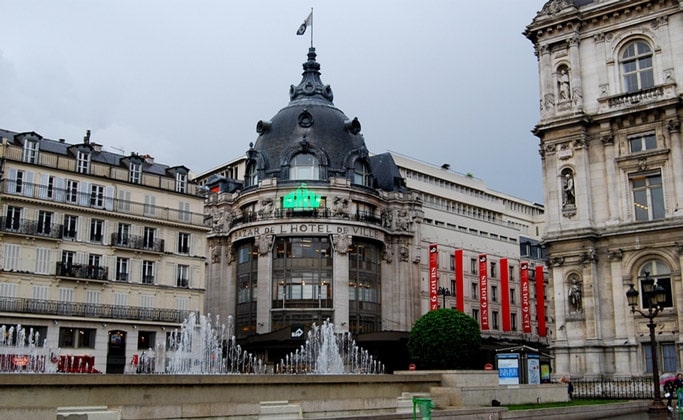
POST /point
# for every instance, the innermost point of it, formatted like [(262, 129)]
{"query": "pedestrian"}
[(676, 387)]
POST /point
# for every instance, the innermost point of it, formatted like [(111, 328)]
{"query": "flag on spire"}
[(306, 24)]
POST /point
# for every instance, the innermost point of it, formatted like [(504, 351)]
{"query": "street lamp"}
[(655, 296), (444, 292)]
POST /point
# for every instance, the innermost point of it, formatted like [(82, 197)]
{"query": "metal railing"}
[(84, 199), (613, 389), (30, 227), (82, 271), (89, 310), (137, 242)]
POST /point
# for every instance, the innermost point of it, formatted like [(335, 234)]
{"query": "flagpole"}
[(311, 27)]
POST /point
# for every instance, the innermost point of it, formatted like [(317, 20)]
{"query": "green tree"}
[(445, 339)]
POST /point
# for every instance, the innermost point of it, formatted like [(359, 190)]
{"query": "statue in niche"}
[(387, 218), (568, 193), (575, 295), (563, 84)]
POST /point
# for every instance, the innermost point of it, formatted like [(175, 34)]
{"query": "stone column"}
[(264, 292), (340, 272), (547, 85), (674, 125), (575, 72)]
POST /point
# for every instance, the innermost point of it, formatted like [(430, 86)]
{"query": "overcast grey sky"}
[(442, 81)]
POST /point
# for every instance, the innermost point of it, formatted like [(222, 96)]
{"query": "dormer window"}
[(304, 166), (181, 182), (251, 175), (135, 172), (361, 173), (82, 162), (30, 152), (636, 65)]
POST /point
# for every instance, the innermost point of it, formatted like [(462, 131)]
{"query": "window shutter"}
[(109, 198), (84, 193), (28, 183)]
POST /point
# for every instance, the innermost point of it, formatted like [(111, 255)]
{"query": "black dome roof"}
[(310, 123)]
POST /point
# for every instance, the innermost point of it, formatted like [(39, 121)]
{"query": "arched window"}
[(636, 66), (251, 175), (361, 173), (304, 166), (652, 272)]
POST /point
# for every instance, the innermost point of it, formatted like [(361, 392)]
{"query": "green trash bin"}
[(424, 405)]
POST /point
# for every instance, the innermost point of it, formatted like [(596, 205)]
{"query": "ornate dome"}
[(312, 126)]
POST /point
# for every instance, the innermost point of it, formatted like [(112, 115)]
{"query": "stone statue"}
[(568, 194), (575, 295), (563, 84)]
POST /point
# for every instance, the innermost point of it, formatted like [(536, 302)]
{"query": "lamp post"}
[(444, 292), (655, 296)]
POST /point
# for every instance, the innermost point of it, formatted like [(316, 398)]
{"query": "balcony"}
[(137, 242), (30, 227), (88, 310), (82, 271)]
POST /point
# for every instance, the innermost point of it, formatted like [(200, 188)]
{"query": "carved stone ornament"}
[(264, 243), (556, 6), (341, 243), (387, 255), (574, 296), (404, 254), (615, 254), (266, 210), (556, 261), (216, 254), (673, 126), (340, 207)]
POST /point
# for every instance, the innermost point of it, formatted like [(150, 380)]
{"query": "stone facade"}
[(100, 253), (612, 160)]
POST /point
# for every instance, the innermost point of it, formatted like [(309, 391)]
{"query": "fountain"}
[(328, 352), (200, 351), (20, 352)]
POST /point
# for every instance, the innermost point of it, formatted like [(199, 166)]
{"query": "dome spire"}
[(311, 87)]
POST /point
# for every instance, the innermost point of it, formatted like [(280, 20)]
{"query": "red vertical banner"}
[(540, 300), (459, 281), (433, 277), (505, 292), (524, 279), (483, 292)]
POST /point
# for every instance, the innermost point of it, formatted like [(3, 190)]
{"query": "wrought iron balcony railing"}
[(30, 227), (82, 271), (88, 310), (137, 242)]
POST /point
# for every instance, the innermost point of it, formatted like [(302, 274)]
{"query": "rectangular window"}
[(473, 266), (642, 142), (147, 303), (475, 314), (50, 188), (13, 218), (181, 182), (183, 276), (494, 293), (148, 272), (452, 260), (122, 269), (494, 320), (135, 173), (70, 226), (475, 290), (669, 357), (123, 234), (77, 338), (182, 303), (19, 182), (120, 305), (148, 234), (72, 191), (97, 196), (44, 222), (512, 296), (11, 257), (66, 298), (30, 152), (183, 243), (146, 340), (513, 321), (96, 230), (648, 196), (493, 270), (83, 162), (38, 303)]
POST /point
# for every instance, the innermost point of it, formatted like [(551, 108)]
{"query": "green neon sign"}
[(302, 198)]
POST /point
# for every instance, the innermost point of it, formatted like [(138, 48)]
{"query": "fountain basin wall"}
[(205, 396)]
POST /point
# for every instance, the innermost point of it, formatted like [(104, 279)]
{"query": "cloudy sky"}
[(442, 81)]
